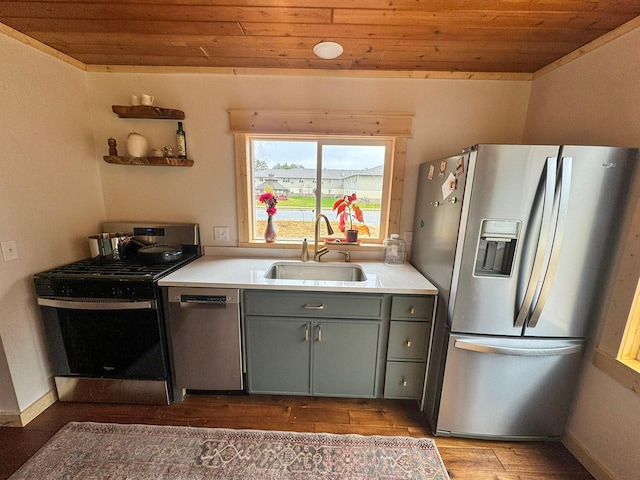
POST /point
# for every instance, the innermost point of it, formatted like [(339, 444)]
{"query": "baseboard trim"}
[(32, 411), (586, 458)]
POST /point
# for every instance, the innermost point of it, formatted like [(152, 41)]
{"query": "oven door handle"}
[(97, 305)]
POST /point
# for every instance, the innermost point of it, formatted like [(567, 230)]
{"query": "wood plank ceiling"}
[(517, 36)]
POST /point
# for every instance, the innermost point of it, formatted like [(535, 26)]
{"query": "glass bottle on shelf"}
[(181, 141)]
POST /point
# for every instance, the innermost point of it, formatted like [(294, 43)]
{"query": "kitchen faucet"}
[(317, 254)]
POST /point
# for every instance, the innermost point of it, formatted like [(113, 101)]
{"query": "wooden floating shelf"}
[(144, 111), (150, 161)]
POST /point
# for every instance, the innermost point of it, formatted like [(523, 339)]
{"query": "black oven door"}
[(104, 338)]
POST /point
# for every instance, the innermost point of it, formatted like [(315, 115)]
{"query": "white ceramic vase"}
[(137, 145)]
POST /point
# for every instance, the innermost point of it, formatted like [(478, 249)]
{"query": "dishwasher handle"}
[(204, 299), (204, 296)]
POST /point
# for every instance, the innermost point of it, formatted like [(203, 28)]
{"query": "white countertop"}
[(248, 273)]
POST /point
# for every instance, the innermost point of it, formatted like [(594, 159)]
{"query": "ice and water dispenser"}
[(496, 248)]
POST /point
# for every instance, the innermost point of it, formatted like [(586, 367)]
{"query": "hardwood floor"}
[(464, 459)]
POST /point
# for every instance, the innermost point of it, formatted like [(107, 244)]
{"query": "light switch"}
[(9, 250)]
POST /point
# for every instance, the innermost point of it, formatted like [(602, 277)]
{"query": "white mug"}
[(135, 100), (146, 99)]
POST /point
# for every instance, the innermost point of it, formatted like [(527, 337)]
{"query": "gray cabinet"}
[(344, 357), (314, 343), (278, 355), (407, 350)]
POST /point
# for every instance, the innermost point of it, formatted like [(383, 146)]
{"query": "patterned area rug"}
[(109, 451)]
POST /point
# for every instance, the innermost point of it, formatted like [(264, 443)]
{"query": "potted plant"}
[(347, 211)]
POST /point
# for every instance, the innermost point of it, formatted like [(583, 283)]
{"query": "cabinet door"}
[(278, 353), (344, 358)]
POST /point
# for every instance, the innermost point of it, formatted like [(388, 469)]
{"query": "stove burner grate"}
[(124, 268)]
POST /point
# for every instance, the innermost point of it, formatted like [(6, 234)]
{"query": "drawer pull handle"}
[(306, 333), (320, 333), (314, 307), (408, 343), (412, 311), (404, 382)]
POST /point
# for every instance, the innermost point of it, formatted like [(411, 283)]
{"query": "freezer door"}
[(508, 388), (509, 196)]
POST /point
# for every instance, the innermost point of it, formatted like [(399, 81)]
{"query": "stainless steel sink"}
[(316, 271)]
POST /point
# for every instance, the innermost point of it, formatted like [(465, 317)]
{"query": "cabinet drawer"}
[(315, 304), (412, 307), (408, 341), (404, 380)]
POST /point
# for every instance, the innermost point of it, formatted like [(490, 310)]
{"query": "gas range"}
[(104, 319)]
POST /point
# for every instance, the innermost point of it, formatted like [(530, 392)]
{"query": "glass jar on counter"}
[(395, 250)]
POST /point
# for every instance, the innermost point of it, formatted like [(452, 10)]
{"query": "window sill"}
[(292, 244), (626, 372)]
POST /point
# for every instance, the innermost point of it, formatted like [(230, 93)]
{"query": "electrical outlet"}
[(221, 234), (9, 250)]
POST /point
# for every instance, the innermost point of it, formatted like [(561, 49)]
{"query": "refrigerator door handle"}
[(565, 188), (545, 227), (519, 352)]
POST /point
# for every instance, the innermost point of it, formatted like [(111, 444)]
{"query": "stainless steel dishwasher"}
[(205, 339)]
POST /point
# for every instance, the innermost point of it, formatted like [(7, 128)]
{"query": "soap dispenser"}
[(304, 254)]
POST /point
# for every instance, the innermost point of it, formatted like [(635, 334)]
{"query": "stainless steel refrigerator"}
[(521, 242)]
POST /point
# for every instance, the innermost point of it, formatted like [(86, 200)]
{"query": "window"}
[(340, 166), (325, 155), (618, 350)]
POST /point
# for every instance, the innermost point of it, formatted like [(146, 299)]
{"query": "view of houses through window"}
[(308, 175)]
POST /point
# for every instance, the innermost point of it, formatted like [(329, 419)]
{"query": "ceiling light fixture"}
[(328, 50)]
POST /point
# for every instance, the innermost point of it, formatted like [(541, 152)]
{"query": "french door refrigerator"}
[(521, 242)]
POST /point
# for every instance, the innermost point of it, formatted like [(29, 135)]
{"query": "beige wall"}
[(596, 100), (449, 115), (55, 189), (50, 199)]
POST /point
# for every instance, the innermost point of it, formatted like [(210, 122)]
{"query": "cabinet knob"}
[(404, 382), (306, 333), (320, 333), (412, 311), (408, 343)]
